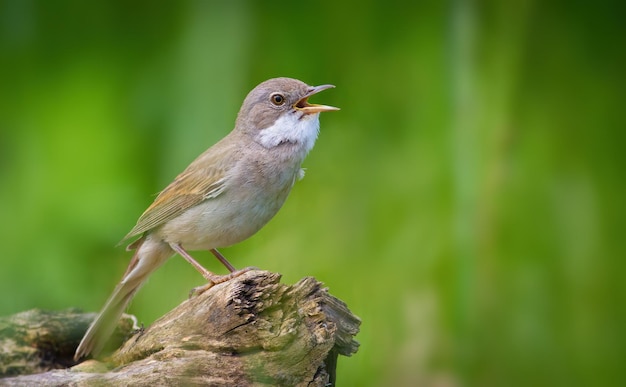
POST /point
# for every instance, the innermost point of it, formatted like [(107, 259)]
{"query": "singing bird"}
[(224, 196)]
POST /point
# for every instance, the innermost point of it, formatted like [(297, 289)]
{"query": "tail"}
[(150, 254)]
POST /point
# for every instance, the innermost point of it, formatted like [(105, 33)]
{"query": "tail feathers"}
[(104, 325), (149, 256)]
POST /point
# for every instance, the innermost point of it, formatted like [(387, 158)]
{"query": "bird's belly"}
[(223, 221)]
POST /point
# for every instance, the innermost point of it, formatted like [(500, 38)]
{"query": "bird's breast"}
[(253, 194)]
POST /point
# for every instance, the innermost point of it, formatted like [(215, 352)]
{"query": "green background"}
[(467, 202)]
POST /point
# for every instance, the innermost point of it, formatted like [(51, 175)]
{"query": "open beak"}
[(310, 108)]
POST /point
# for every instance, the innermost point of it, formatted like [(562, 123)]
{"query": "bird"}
[(223, 197)]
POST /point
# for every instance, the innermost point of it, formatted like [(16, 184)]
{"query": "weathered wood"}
[(36, 341), (251, 330)]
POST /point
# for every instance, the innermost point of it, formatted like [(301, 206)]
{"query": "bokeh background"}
[(467, 202)]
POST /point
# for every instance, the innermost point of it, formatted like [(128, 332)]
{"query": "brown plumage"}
[(224, 196)]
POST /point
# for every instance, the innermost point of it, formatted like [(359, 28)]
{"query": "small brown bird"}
[(224, 196)]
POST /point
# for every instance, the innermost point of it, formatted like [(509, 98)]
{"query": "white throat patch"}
[(290, 128)]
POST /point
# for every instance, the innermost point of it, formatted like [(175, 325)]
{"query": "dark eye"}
[(277, 99)]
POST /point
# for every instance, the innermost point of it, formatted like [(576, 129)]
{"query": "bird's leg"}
[(213, 279), (222, 259), (209, 276)]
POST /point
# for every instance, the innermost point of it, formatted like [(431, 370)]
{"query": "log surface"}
[(249, 331)]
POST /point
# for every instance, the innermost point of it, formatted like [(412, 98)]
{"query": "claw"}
[(218, 279), (198, 290)]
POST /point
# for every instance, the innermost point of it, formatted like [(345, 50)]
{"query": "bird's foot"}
[(214, 279)]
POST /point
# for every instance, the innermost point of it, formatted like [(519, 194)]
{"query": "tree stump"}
[(249, 331)]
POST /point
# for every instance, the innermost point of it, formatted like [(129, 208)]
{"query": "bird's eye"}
[(277, 99)]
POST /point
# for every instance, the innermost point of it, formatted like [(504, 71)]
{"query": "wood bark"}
[(250, 331)]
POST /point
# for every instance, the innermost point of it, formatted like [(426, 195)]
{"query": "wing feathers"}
[(204, 179)]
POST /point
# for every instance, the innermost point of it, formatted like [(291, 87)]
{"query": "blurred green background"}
[(467, 202)]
